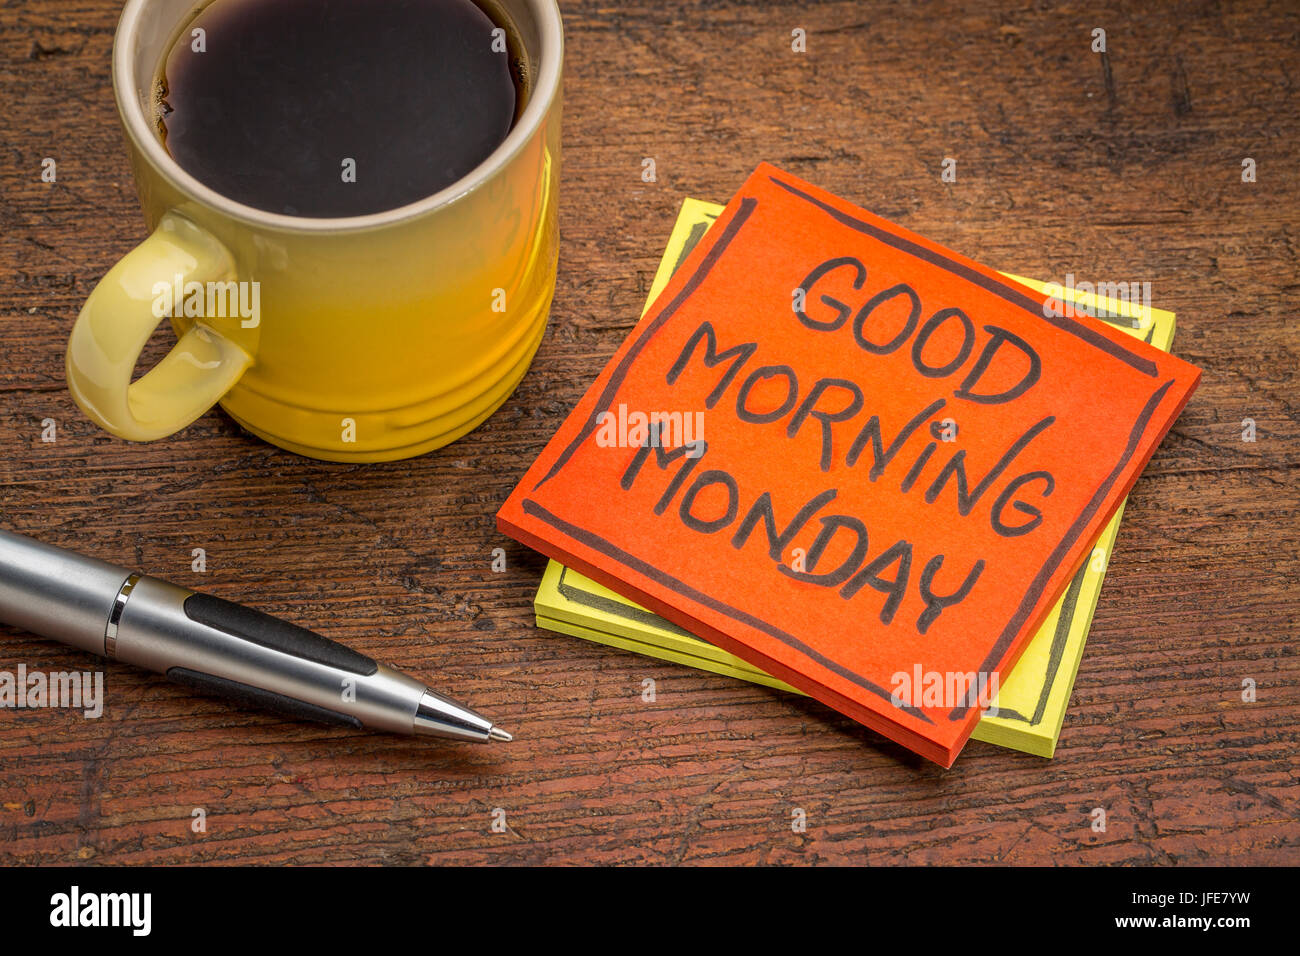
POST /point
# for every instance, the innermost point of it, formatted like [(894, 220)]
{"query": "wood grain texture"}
[(1122, 166)]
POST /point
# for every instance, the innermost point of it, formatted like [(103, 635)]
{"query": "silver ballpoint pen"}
[(217, 647)]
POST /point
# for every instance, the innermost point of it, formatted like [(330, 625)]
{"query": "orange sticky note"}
[(856, 459)]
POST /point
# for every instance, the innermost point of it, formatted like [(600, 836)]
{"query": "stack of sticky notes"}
[(838, 458), (1030, 706)]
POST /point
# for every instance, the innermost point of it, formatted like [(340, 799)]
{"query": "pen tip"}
[(496, 733)]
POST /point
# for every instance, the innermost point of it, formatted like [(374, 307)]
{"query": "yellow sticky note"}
[(1032, 699)]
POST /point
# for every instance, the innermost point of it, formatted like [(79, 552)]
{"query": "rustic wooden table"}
[(1123, 165)]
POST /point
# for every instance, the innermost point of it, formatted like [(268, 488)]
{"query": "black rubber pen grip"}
[(278, 635)]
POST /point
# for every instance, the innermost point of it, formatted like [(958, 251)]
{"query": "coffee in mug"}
[(331, 108)]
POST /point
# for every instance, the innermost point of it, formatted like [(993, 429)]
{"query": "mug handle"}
[(118, 319)]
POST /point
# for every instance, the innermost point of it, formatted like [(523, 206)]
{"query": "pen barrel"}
[(226, 649), (56, 593)]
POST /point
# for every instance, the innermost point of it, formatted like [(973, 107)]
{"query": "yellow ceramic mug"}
[(372, 337)]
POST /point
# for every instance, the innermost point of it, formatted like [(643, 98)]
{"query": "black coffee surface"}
[(286, 91)]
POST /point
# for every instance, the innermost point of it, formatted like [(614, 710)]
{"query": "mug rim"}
[(545, 90)]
